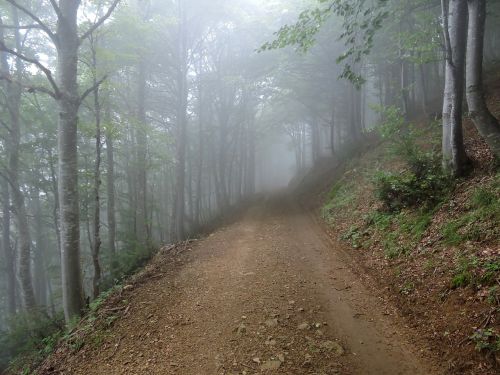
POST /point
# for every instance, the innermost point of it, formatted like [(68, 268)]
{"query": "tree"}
[(13, 92), (64, 89), (455, 33), (487, 125)]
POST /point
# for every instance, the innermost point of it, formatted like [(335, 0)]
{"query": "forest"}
[(131, 125)]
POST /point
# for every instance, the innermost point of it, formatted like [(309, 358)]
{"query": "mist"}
[(127, 125)]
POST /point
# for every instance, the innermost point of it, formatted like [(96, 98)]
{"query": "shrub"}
[(30, 338), (424, 181), (424, 184)]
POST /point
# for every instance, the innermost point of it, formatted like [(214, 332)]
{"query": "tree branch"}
[(46, 71), (42, 25), (29, 88), (447, 43), (100, 21), (22, 27), (56, 9), (93, 88)]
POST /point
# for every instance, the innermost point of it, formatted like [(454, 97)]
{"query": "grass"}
[(342, 195), (481, 222), (475, 272)]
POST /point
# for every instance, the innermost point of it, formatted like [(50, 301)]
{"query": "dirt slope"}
[(265, 294)]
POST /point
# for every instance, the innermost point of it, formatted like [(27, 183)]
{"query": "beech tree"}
[(64, 89), (487, 125)]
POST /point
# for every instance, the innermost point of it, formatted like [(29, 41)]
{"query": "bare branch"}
[(93, 88), (42, 25), (56, 9), (29, 88), (100, 21), (21, 27), (39, 65)]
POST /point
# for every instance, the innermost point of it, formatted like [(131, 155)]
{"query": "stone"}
[(271, 323), (334, 347), (271, 365), (303, 326)]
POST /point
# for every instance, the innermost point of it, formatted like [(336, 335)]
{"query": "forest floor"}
[(269, 293)]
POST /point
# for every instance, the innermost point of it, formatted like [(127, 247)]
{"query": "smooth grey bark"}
[(13, 97), (40, 273), (423, 83), (7, 249), (96, 243), (487, 125), (315, 139), (6, 245), (201, 143), (332, 130), (110, 191), (55, 191), (179, 214), (68, 103), (455, 32), (141, 139)]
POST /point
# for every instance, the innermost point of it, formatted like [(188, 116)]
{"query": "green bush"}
[(424, 181), (423, 184), (30, 338)]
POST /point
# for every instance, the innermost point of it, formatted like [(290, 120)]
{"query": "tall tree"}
[(179, 214), (455, 34), (13, 92), (487, 125), (64, 89)]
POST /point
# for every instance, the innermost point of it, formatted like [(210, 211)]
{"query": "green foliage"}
[(472, 271), (494, 295), (353, 235), (423, 183), (131, 259), (480, 222), (360, 22), (486, 340), (30, 338), (380, 220), (341, 195), (399, 231), (407, 288)]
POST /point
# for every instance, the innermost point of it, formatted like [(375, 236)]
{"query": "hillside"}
[(439, 265)]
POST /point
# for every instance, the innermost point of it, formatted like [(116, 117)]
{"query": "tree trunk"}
[(40, 274), (423, 82), (141, 138), (55, 191), (181, 138), (485, 122), (13, 97), (96, 246), (7, 249), (455, 29), (110, 189), (67, 64)]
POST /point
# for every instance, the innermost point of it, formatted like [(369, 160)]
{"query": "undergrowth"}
[(408, 200), (31, 337), (480, 223)]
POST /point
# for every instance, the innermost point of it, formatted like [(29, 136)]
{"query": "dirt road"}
[(265, 294)]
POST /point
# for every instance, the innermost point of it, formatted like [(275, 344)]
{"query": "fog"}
[(136, 123)]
